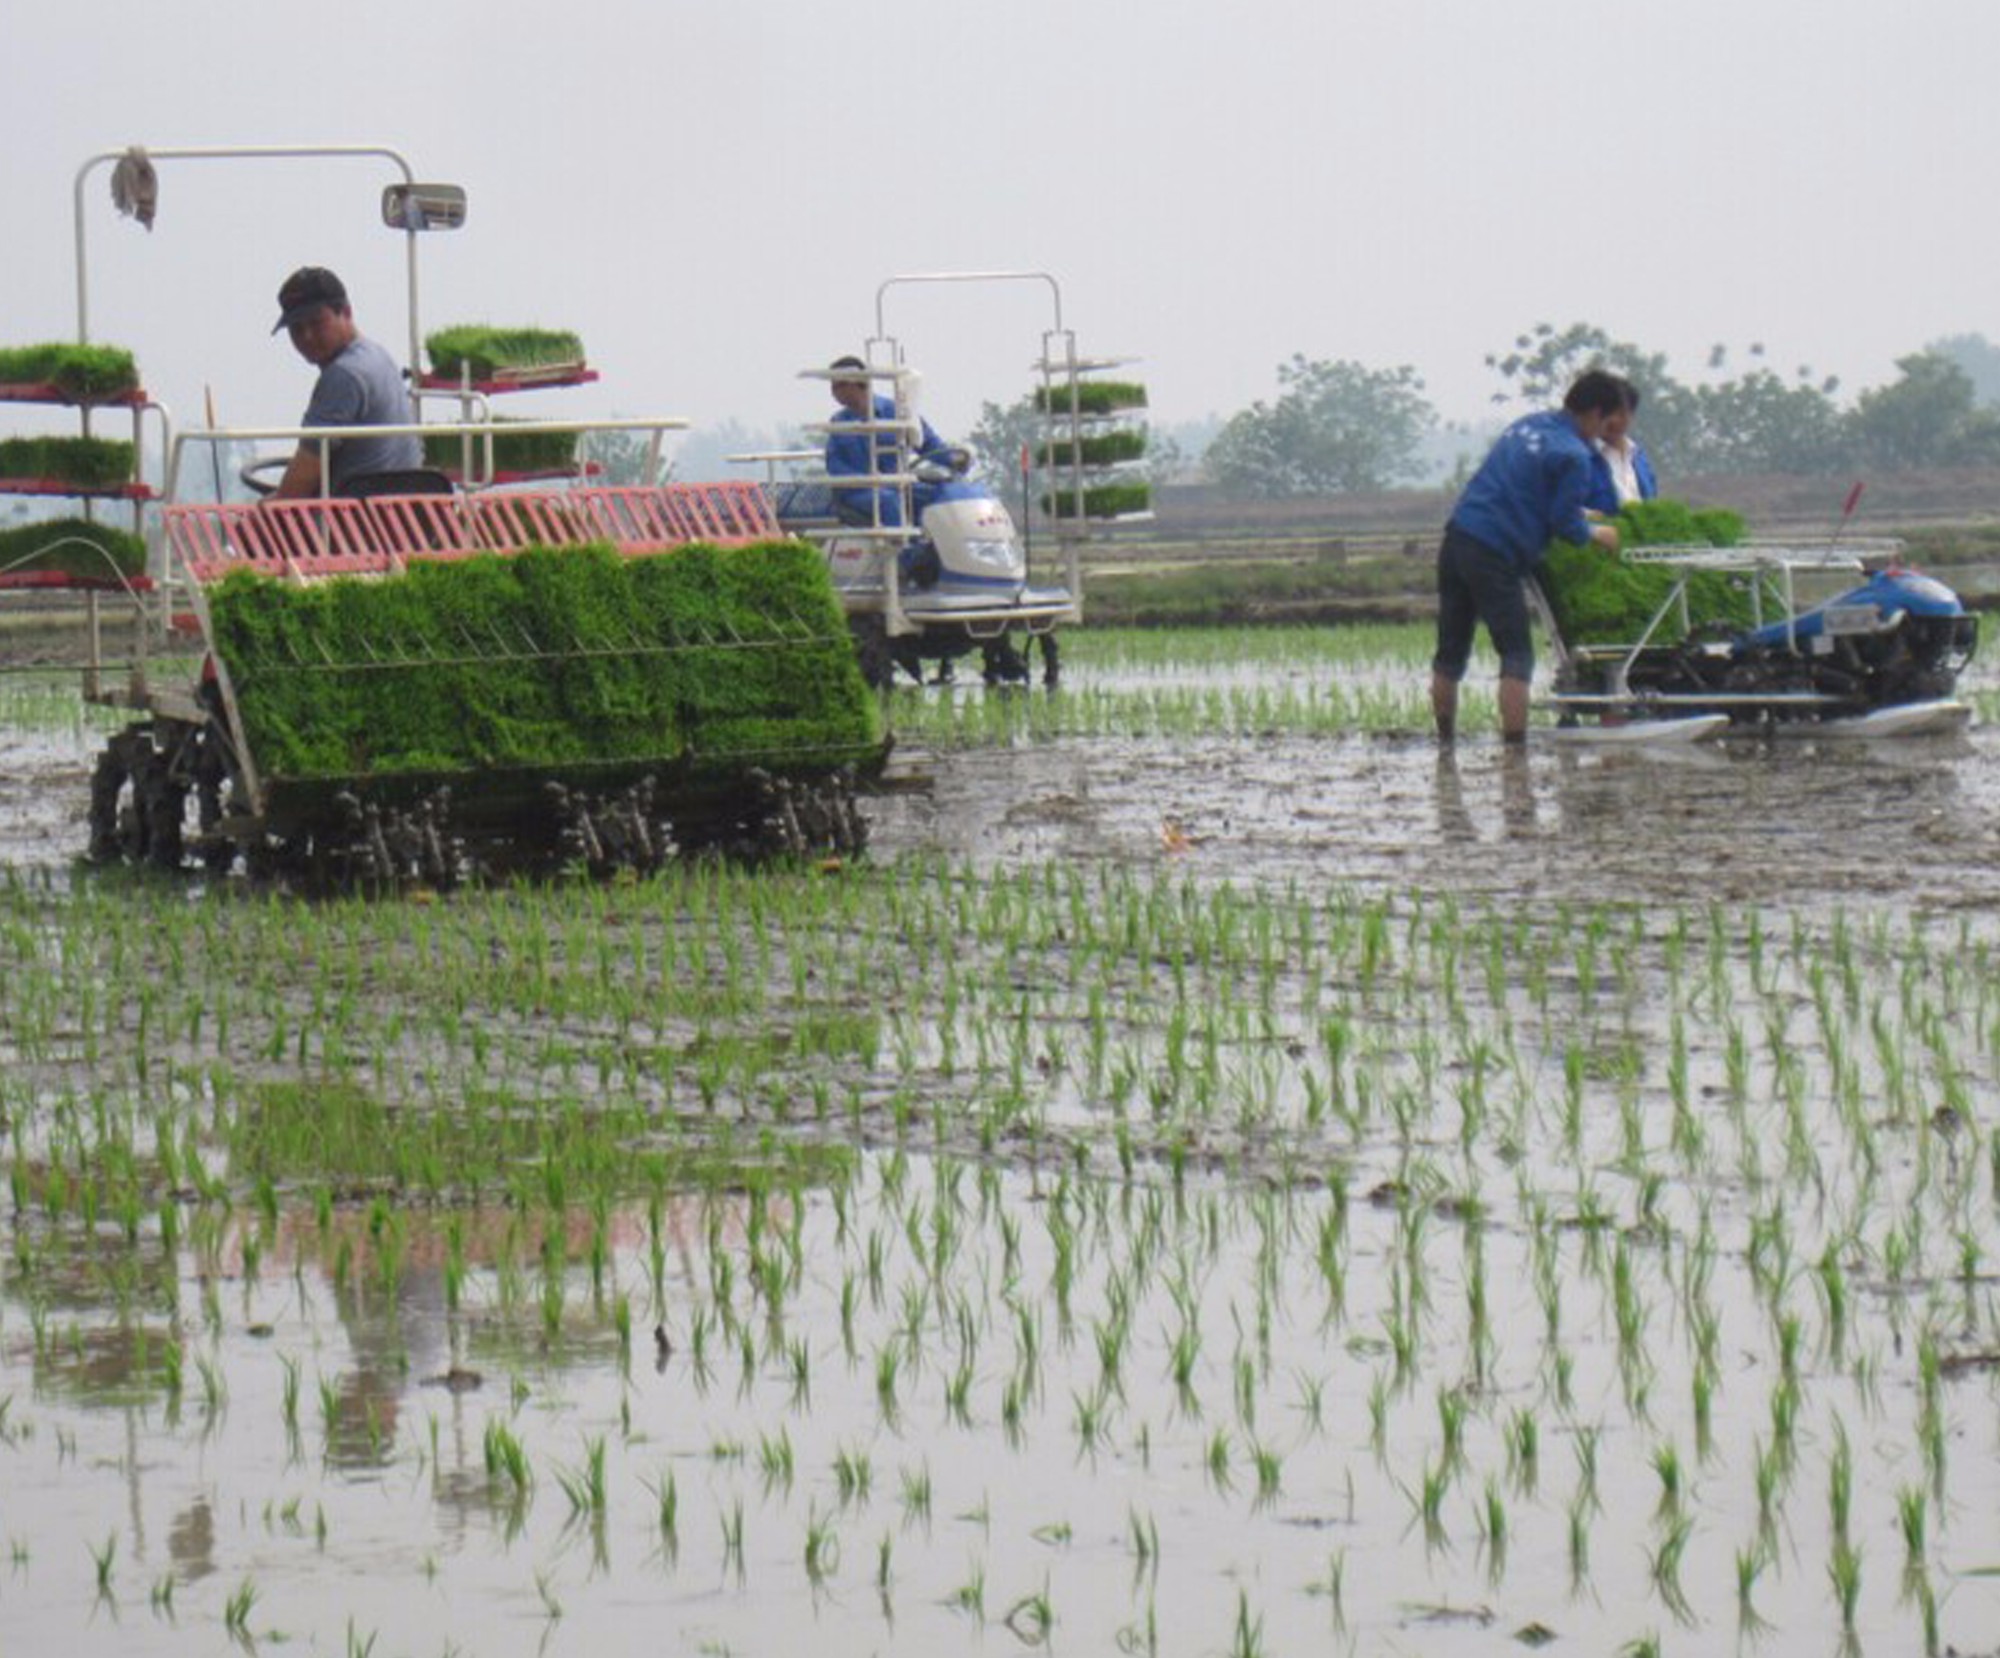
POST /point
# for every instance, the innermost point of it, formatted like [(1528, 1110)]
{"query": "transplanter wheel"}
[(1051, 662), (213, 778), (137, 801)]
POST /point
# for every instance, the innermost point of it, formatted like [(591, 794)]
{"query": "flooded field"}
[(1220, 1178)]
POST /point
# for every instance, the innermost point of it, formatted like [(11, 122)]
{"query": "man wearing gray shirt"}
[(359, 385)]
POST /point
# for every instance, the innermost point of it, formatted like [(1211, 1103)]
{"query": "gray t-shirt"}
[(364, 387)]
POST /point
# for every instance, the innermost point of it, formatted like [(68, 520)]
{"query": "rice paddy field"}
[(1220, 1178)]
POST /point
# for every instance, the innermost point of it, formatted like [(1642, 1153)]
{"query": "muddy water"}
[(1781, 821), (1434, 1277), (1767, 822)]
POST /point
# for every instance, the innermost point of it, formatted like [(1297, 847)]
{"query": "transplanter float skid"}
[(1840, 642), (451, 672), (929, 563)]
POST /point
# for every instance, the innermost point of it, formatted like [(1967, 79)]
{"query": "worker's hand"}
[(1606, 536)]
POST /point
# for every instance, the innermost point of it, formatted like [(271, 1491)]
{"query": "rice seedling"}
[(666, 1514), (1912, 1509), (888, 1366), (1585, 1447), (1031, 1619), (1750, 1564), (237, 1609), (584, 1485), (1666, 1569), (1247, 1637), (732, 1539), (915, 1495), (822, 1548), (506, 1460), (1843, 1570), (970, 1596), (104, 1559), (1840, 1481), (1492, 1515), (776, 1460), (1667, 1465), (1270, 1470), (1523, 1441), (1434, 1484)]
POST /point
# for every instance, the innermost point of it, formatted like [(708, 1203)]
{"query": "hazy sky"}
[(710, 193)]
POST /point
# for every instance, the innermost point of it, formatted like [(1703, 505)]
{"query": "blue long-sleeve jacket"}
[(1602, 496), (847, 457), (1529, 490)]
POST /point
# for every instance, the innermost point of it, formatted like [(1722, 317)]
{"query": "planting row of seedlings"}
[(1372, 1263)]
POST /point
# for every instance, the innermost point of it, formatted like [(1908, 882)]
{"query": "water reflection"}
[(1520, 815), (1745, 819), (191, 1541), (1517, 793), (1454, 822)]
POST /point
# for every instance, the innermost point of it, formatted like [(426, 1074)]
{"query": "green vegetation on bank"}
[(550, 658)]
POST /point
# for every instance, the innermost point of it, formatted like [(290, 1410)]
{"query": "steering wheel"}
[(265, 474)]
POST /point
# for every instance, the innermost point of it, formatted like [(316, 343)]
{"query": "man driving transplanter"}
[(359, 385), (851, 455)]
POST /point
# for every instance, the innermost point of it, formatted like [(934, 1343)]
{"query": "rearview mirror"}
[(423, 206)]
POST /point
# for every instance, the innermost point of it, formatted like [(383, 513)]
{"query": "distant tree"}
[(1338, 426), (1002, 433), (1539, 368), (1925, 418), (703, 455), (622, 457), (1165, 459), (1978, 356), (1185, 443), (1758, 422)]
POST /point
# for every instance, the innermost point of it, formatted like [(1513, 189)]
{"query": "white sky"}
[(710, 191)]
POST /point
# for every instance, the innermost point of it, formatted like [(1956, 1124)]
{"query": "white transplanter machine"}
[(934, 567)]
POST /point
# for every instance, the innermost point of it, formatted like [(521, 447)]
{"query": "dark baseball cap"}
[(305, 291)]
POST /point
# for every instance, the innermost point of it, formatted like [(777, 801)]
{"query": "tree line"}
[(1343, 426)]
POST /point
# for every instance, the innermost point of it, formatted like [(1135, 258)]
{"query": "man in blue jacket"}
[(857, 454), (1528, 491)]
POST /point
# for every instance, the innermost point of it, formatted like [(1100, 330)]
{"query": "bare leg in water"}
[(1513, 708), (1444, 706)]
